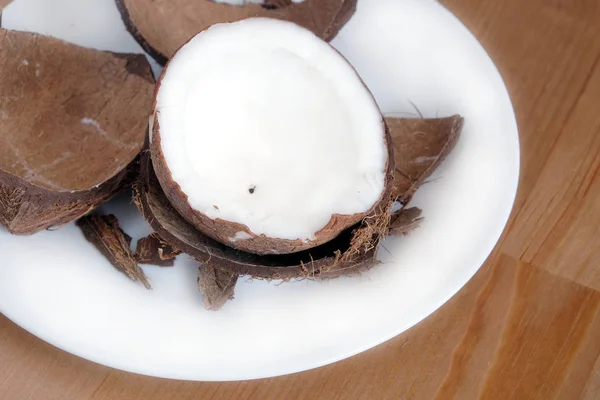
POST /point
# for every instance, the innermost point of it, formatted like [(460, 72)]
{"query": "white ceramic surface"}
[(57, 286)]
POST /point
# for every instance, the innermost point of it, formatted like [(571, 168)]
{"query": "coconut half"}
[(351, 252), (163, 26), (72, 121), (266, 139)]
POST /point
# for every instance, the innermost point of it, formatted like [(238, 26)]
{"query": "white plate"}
[(57, 286)]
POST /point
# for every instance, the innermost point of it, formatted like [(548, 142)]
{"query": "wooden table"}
[(528, 324)]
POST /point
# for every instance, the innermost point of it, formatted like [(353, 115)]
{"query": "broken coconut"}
[(266, 139), (72, 121), (163, 26), (353, 251)]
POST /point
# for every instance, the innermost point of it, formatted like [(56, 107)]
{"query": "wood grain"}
[(527, 326)]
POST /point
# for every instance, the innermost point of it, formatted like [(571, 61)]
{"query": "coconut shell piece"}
[(162, 26), (405, 221), (72, 121), (104, 233), (352, 251), (216, 285), (420, 145), (153, 250)]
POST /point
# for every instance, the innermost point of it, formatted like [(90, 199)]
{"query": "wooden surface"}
[(526, 327)]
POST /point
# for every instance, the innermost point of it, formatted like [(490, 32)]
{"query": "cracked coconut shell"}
[(163, 26), (152, 250), (104, 232), (351, 252), (420, 146), (72, 122), (216, 285)]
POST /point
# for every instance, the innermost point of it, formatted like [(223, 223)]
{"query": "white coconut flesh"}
[(266, 125)]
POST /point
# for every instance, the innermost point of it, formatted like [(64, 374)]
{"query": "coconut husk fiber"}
[(351, 252), (104, 233), (163, 26), (420, 146), (72, 122), (152, 250)]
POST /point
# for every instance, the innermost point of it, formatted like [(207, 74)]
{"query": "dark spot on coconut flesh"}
[(216, 207), (252, 189)]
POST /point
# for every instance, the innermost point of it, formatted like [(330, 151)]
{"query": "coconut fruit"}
[(266, 139), (162, 26), (351, 252), (72, 122)]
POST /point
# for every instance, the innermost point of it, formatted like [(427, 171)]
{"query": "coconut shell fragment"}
[(216, 285), (4, 3), (420, 146), (405, 221), (72, 122), (104, 233), (163, 26), (152, 250)]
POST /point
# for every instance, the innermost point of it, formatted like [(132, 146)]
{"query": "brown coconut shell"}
[(420, 146), (405, 221), (163, 26), (104, 233), (351, 252), (216, 285), (72, 122), (152, 250)]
